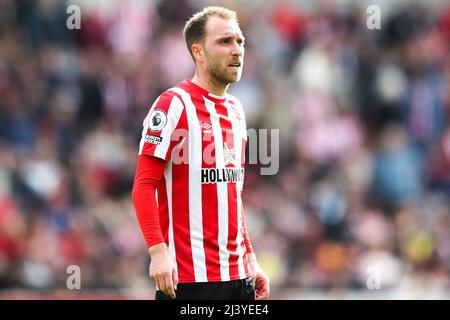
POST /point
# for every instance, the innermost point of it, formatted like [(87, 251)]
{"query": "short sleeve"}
[(163, 127)]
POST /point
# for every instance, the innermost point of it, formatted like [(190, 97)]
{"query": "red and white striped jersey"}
[(203, 138)]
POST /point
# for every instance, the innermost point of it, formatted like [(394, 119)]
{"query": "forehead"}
[(217, 27)]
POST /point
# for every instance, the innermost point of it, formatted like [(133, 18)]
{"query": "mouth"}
[(235, 65)]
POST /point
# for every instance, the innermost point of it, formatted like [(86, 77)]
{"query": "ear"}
[(197, 51)]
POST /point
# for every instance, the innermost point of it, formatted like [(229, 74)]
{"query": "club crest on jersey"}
[(228, 154), (158, 120)]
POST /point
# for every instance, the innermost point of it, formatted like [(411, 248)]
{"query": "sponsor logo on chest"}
[(227, 175)]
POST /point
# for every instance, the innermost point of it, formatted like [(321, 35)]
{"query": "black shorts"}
[(227, 290)]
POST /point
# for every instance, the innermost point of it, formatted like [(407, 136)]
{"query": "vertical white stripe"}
[(195, 188), (145, 127), (237, 138), (222, 194), (173, 116), (168, 178)]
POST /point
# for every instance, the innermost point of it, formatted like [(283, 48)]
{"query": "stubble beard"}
[(219, 75)]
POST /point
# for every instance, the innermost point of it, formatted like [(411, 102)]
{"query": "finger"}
[(158, 285), (175, 278), (152, 276), (262, 282), (169, 286), (259, 283), (162, 284), (265, 286), (262, 295), (266, 289), (262, 291)]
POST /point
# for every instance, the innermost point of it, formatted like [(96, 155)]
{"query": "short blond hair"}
[(195, 28)]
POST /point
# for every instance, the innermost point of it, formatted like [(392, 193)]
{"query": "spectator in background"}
[(397, 176)]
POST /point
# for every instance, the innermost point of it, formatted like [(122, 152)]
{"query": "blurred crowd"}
[(363, 190)]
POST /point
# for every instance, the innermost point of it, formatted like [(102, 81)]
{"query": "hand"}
[(163, 270), (261, 280)]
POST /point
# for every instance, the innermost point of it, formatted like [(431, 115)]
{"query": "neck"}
[(210, 85)]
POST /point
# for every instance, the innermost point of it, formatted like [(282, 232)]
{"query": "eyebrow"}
[(240, 37)]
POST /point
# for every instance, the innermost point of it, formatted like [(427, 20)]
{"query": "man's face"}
[(224, 50)]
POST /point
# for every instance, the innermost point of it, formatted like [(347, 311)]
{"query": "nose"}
[(237, 49)]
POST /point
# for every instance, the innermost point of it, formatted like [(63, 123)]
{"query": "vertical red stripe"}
[(180, 216), (246, 269), (210, 205), (228, 138), (232, 231), (244, 247), (181, 224), (244, 143)]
